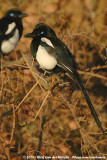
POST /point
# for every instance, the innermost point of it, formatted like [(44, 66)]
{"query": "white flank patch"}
[(45, 60), (10, 27), (47, 41), (8, 46)]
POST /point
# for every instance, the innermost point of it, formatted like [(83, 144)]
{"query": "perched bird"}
[(11, 29), (50, 52)]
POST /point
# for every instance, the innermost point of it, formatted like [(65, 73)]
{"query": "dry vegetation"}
[(31, 110)]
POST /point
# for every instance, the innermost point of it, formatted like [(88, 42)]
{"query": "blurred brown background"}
[(69, 128)]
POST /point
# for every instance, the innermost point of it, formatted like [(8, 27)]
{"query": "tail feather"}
[(93, 112)]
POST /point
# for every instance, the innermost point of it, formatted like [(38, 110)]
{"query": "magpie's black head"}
[(41, 30), (15, 14)]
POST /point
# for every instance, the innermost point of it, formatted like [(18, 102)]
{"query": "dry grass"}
[(26, 95)]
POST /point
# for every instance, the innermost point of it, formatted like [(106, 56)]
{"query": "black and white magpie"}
[(49, 51), (11, 29)]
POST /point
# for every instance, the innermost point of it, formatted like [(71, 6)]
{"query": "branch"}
[(93, 74)]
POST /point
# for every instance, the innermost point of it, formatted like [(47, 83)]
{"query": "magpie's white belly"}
[(11, 26), (8, 46), (45, 60)]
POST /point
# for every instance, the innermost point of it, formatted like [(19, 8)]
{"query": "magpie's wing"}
[(65, 61), (3, 26), (4, 22)]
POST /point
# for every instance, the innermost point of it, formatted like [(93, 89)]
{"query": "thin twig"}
[(93, 74), (26, 96), (96, 68), (41, 136), (48, 92), (13, 127)]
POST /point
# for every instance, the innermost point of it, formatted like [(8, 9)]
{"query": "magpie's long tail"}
[(93, 112)]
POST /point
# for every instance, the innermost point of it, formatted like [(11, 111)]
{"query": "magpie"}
[(49, 51), (11, 29)]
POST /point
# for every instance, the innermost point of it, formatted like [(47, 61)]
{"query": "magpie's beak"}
[(23, 15), (29, 35)]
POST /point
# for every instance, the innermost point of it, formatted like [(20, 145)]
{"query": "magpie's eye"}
[(12, 14), (42, 32)]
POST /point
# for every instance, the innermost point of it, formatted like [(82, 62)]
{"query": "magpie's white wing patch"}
[(47, 41), (8, 46), (11, 26), (45, 60)]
